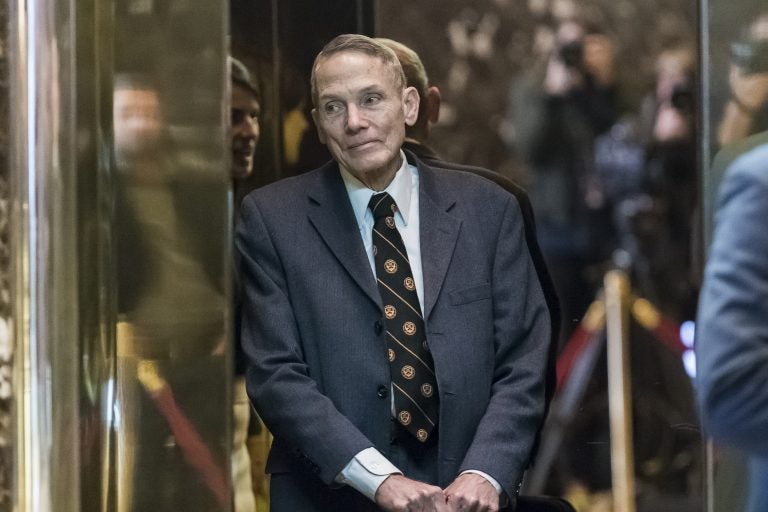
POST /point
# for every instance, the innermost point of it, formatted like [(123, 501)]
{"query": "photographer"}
[(747, 109), (668, 119), (556, 114)]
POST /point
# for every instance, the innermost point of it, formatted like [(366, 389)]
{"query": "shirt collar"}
[(399, 188)]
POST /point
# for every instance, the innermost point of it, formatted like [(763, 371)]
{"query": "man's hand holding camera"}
[(568, 68)]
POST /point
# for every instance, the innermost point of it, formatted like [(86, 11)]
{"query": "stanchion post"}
[(617, 292)]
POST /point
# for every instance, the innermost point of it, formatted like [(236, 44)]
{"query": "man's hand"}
[(561, 79), (671, 124), (398, 493), (471, 492)]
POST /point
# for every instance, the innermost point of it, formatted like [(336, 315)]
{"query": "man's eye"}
[(371, 99), (238, 116), (332, 108)]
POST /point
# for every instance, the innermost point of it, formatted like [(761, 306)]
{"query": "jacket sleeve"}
[(732, 327), (285, 395), (505, 436)]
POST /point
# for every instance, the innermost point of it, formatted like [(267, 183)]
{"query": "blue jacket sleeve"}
[(732, 327)]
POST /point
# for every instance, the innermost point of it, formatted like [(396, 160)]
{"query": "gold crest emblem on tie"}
[(414, 391)]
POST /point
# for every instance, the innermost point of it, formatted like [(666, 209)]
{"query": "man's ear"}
[(433, 104), (320, 132), (410, 105)]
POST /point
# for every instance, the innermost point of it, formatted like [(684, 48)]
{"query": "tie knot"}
[(382, 205)]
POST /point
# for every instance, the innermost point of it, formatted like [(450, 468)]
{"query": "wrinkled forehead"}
[(355, 66), (374, 62)]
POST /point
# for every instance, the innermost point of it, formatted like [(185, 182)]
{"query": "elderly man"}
[(394, 324)]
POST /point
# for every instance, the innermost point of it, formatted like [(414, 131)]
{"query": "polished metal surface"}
[(7, 386), (617, 290), (45, 334), (120, 287)]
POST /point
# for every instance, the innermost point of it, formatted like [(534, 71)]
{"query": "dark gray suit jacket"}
[(430, 157), (312, 329), (732, 327)]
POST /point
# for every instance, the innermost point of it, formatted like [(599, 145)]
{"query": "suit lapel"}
[(330, 212), (438, 231)]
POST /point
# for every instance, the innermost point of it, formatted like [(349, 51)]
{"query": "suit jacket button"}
[(382, 392), (378, 327)]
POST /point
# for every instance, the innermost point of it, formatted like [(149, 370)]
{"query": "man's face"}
[(361, 113), (244, 131), (138, 122)]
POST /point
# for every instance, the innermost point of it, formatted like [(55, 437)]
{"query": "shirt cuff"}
[(367, 471), (504, 499), (491, 480)]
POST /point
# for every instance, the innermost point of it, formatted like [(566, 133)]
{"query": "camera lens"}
[(572, 54), (682, 97)]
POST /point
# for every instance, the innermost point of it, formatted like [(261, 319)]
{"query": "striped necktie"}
[(411, 366)]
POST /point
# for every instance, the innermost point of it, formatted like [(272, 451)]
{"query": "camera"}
[(750, 56), (683, 98), (572, 54)]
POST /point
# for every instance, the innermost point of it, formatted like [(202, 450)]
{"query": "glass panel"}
[(734, 121), (171, 240)]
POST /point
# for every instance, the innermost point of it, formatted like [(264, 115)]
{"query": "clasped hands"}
[(470, 492)]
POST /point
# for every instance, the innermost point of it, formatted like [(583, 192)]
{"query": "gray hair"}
[(361, 44)]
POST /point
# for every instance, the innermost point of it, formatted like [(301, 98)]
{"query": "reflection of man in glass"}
[(170, 306), (138, 122), (745, 118), (747, 109)]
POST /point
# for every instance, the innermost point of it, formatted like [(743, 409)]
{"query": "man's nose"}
[(356, 119), (250, 127)]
